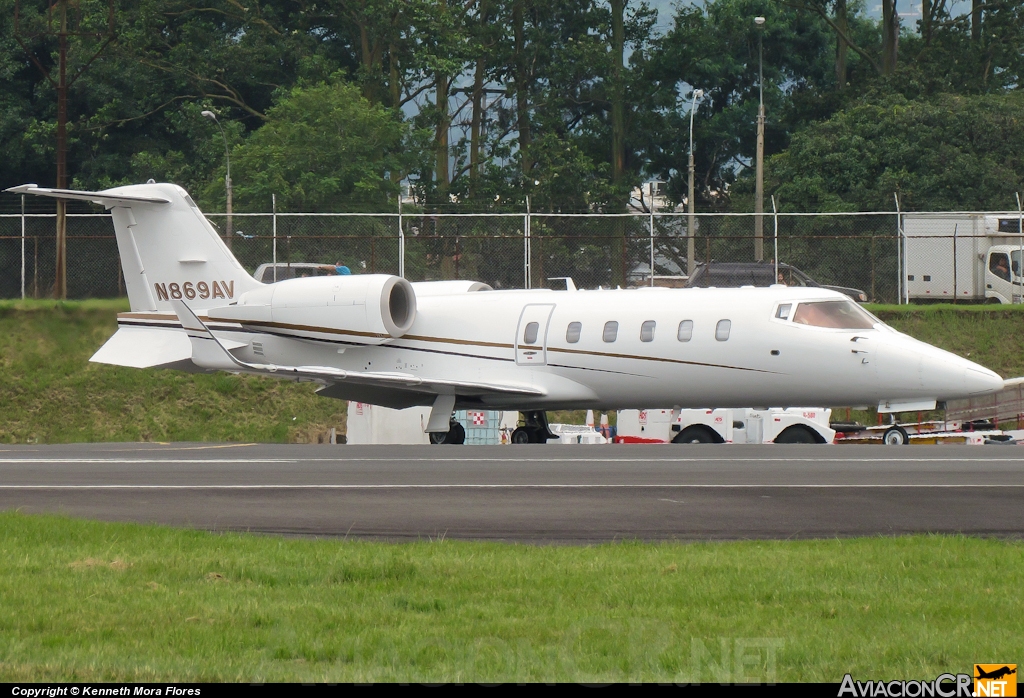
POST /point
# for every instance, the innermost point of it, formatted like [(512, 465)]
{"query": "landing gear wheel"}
[(456, 434), (895, 436), (796, 435), (522, 435), (694, 435)]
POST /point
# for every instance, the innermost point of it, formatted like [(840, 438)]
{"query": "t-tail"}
[(169, 251)]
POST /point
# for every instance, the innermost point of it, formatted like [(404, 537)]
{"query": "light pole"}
[(227, 177), (759, 193), (690, 202)]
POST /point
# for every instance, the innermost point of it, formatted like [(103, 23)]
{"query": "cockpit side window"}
[(782, 312), (841, 315)]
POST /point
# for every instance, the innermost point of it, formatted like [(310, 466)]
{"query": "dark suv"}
[(735, 274)]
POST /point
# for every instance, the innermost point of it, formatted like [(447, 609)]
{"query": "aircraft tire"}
[(896, 436), (522, 435), (456, 434), (695, 434), (798, 434)]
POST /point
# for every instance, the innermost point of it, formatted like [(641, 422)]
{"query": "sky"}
[(909, 10)]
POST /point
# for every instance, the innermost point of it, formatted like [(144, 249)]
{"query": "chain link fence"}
[(865, 251)]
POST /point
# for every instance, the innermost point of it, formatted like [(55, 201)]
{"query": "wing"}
[(209, 351)]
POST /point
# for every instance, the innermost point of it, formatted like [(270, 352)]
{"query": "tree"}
[(715, 48), (949, 152), (324, 148)]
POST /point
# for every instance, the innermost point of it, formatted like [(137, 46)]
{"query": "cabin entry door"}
[(532, 335)]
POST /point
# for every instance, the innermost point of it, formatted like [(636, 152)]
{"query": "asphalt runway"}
[(539, 494)]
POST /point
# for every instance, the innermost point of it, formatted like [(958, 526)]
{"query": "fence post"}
[(873, 297), (23, 247), (401, 236), (1020, 240), (652, 236), (899, 251), (273, 203), (775, 215), (526, 243)]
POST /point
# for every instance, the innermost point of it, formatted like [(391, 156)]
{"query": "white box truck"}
[(731, 426), (966, 256)]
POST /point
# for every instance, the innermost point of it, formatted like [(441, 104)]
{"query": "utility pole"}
[(691, 226), (227, 177), (759, 193), (58, 24)]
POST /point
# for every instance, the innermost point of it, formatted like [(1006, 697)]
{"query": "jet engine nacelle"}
[(372, 307)]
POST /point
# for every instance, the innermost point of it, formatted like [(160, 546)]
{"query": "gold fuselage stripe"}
[(449, 340)]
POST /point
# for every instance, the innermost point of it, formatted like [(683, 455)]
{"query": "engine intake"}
[(372, 307)]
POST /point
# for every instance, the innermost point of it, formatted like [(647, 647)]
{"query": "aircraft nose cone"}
[(981, 381)]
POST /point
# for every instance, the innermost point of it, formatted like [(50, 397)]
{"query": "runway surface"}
[(564, 494)]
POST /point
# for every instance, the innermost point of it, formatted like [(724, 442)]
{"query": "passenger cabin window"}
[(840, 315), (722, 330), (685, 331), (611, 331), (572, 332), (647, 331), (783, 312), (530, 335)]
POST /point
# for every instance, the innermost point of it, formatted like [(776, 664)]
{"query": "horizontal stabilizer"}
[(98, 197), (1013, 382), (148, 347), (144, 347)]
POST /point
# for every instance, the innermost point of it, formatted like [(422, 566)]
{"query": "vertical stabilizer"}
[(169, 251)]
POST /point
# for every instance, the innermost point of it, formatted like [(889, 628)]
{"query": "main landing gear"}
[(535, 429), (456, 434)]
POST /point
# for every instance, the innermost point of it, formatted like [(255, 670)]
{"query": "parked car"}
[(735, 274), (265, 272)]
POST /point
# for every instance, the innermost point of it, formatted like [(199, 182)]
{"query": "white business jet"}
[(379, 339)]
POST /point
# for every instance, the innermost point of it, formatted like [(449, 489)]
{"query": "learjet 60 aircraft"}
[(380, 339)]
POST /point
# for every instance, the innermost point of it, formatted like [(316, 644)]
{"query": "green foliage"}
[(90, 601), (475, 102), (949, 151), (323, 148), (714, 48)]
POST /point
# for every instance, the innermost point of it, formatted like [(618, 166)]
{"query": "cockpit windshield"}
[(843, 315)]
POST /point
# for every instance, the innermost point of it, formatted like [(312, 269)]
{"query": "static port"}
[(775, 352)]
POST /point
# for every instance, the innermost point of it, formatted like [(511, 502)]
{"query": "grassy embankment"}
[(90, 601), (49, 392)]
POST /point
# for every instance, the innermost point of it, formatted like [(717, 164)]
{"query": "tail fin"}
[(169, 251)]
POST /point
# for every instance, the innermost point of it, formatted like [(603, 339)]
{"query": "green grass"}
[(51, 393), (992, 336), (89, 601)]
